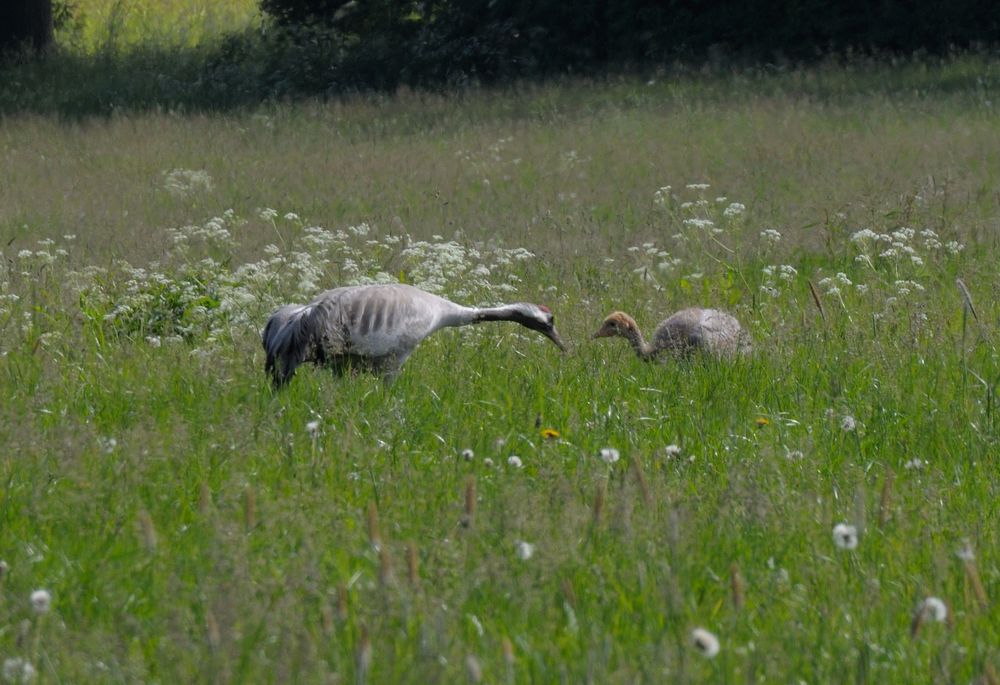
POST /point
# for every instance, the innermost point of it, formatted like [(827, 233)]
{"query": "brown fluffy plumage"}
[(689, 330)]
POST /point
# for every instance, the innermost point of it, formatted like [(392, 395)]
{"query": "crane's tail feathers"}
[(287, 342)]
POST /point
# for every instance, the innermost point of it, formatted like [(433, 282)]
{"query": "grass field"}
[(189, 525)]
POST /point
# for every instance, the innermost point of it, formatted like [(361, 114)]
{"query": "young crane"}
[(689, 330), (375, 328)]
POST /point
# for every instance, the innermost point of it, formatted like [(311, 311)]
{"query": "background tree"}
[(25, 27)]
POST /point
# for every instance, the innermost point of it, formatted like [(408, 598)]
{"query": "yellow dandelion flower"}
[(550, 434), (761, 421)]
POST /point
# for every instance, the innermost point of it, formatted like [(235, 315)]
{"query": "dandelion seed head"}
[(610, 455), (514, 461), (524, 550), (41, 601), (312, 428), (468, 454), (848, 424), (934, 609), (672, 450), (18, 670), (845, 536), (705, 642)]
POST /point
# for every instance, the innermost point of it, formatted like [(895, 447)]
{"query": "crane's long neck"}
[(462, 316), (638, 343)]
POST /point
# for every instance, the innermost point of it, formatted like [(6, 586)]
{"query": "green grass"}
[(191, 529)]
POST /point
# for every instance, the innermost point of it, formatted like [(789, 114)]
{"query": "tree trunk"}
[(25, 27)]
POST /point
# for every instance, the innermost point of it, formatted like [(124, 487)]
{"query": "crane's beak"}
[(553, 335)]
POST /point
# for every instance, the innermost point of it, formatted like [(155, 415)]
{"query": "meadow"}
[(504, 512)]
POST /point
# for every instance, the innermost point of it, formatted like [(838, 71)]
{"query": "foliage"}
[(825, 510)]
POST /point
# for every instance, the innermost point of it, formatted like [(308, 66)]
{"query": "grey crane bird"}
[(687, 331), (375, 328)]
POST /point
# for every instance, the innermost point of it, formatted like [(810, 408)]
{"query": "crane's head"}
[(539, 318), (617, 323)]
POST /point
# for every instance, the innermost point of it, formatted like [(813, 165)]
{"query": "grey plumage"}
[(375, 328), (686, 331)]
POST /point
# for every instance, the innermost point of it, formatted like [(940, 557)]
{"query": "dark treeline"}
[(393, 41), (326, 48)]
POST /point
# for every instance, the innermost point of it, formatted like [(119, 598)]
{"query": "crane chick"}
[(375, 328), (680, 334)]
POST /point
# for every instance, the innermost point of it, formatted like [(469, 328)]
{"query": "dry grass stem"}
[(885, 499), (413, 565), (469, 511), (249, 508), (816, 300), (148, 531), (640, 478), (972, 573), (374, 536), (966, 297), (738, 586)]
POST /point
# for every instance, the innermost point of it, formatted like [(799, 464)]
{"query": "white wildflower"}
[(697, 186), (915, 464), (705, 642), (671, 451), (699, 223), (771, 235), (733, 210), (268, 214), (863, 235), (525, 550), (184, 182), (515, 461), (845, 536), (41, 601), (610, 455), (312, 428)]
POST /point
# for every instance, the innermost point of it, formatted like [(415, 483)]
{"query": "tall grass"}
[(192, 526)]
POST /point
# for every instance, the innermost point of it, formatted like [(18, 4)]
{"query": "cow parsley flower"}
[(770, 235), (845, 536)]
